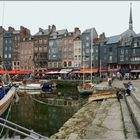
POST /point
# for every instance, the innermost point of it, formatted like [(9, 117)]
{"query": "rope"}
[(41, 102)]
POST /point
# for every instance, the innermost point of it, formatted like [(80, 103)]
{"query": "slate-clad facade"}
[(87, 46), (7, 50)]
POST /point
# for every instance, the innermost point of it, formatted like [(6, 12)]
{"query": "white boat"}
[(30, 87), (6, 100)]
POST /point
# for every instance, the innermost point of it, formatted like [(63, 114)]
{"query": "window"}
[(135, 44), (126, 51), (87, 38), (96, 50), (51, 43), (5, 56), (10, 41), (65, 64), (9, 55), (110, 49), (87, 50), (69, 63), (122, 58), (104, 50), (87, 44), (122, 51), (79, 50), (134, 51), (110, 58), (96, 58)]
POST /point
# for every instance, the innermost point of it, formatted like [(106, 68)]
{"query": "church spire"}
[(130, 18)]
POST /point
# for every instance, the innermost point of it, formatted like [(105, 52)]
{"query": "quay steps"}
[(133, 104), (129, 128)]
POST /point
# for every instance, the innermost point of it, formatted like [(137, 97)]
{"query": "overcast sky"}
[(111, 17)]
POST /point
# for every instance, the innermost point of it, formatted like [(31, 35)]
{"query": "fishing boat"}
[(7, 99)]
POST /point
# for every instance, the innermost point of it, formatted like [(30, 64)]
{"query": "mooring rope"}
[(41, 102)]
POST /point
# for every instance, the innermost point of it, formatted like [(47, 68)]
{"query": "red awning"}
[(2, 71), (15, 72)]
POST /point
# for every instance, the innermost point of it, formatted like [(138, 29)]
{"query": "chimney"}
[(10, 29), (53, 28), (49, 28), (102, 36), (77, 31)]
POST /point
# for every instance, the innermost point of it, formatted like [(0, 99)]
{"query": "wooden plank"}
[(101, 96)]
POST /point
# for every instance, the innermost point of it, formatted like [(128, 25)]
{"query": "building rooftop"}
[(113, 39), (128, 33), (95, 35)]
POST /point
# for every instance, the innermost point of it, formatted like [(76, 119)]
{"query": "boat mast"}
[(83, 65), (100, 67)]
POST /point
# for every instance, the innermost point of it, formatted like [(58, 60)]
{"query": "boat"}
[(86, 88), (7, 99), (33, 86)]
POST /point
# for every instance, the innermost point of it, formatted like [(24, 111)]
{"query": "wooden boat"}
[(6, 100), (86, 88)]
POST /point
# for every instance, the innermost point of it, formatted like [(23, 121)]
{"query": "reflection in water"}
[(41, 117)]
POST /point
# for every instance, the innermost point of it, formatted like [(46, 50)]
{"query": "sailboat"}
[(87, 87)]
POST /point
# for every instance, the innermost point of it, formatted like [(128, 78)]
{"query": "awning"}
[(103, 70), (15, 72), (65, 71), (2, 71), (86, 71), (135, 70), (52, 72)]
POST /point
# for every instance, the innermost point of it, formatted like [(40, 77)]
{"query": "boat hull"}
[(6, 100)]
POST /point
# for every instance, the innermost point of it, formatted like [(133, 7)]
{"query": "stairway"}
[(133, 104)]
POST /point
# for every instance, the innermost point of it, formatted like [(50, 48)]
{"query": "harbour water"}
[(35, 112)]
